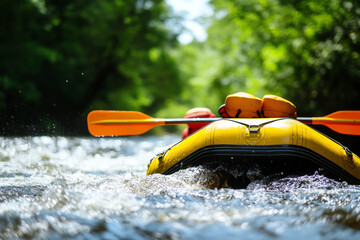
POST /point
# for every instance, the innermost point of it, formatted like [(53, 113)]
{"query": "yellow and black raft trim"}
[(277, 145)]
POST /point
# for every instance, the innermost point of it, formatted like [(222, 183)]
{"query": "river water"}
[(96, 188)]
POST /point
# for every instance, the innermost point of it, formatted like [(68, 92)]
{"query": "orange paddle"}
[(344, 122), (103, 123)]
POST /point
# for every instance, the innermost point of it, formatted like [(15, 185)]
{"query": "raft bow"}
[(275, 146)]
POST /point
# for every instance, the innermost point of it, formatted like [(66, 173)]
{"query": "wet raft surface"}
[(86, 188)]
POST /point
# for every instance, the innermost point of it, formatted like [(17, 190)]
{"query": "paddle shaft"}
[(176, 121), (318, 120)]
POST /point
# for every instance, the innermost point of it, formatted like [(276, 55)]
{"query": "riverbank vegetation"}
[(61, 59)]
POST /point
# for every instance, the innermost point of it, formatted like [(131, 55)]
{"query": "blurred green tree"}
[(306, 51), (61, 58)]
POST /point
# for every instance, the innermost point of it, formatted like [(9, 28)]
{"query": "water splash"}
[(85, 188)]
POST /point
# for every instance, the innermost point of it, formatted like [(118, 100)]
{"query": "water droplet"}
[(82, 74), (66, 81)]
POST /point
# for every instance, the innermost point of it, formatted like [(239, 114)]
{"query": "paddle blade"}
[(344, 122), (119, 123), (353, 115)]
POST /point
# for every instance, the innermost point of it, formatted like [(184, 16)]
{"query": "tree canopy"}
[(306, 51), (60, 58)]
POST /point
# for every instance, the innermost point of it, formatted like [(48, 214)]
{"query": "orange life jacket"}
[(245, 105), (275, 106), (241, 105)]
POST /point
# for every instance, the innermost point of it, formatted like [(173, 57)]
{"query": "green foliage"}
[(60, 59), (307, 51)]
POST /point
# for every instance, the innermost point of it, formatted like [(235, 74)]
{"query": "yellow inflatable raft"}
[(275, 146)]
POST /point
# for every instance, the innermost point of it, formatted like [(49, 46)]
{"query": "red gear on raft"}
[(196, 113)]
